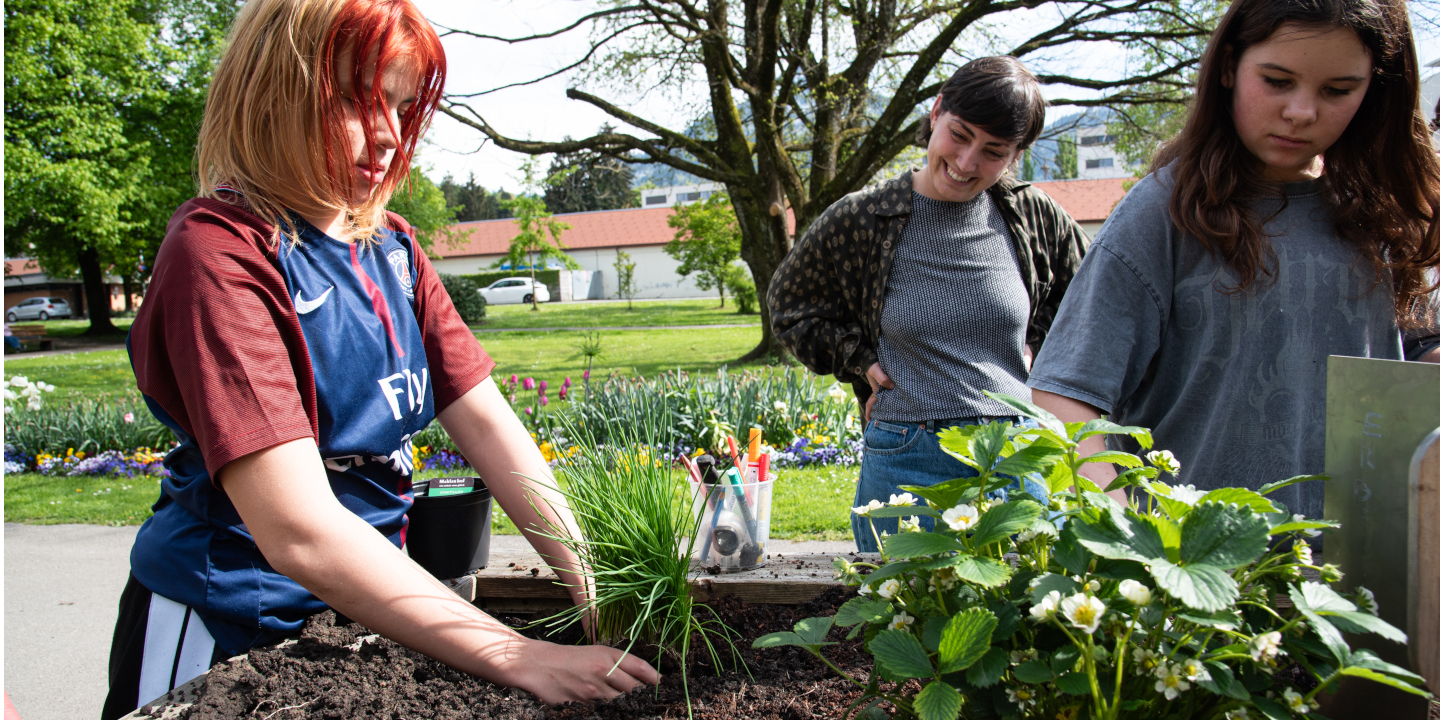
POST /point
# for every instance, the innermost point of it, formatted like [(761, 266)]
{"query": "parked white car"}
[(40, 308), (514, 290)]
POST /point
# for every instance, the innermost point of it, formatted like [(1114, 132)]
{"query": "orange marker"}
[(753, 454)]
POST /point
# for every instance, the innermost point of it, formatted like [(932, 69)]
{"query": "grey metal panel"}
[(1377, 413)]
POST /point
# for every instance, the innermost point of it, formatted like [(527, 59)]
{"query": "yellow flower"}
[(547, 452)]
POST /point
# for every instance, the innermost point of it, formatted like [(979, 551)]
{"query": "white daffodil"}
[(910, 524), (902, 500), (864, 510), (10, 394), (1136, 592), (1295, 701), (1366, 600), (961, 517), (1146, 660), (836, 392), (901, 621), (1264, 648), (1303, 553), (1047, 606), (1169, 681), (781, 407), (1084, 612), (1021, 696), (1194, 670), (1165, 460), (889, 589), (19, 381)]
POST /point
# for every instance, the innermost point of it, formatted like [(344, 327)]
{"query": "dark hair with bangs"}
[(1381, 176), (996, 94)]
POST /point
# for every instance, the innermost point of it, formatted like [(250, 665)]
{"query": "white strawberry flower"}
[(1303, 553), (1093, 586), (901, 621), (961, 517), (1165, 460), (1084, 612), (910, 524), (1169, 681), (1026, 536), (1295, 701), (889, 589), (1136, 592), (902, 500), (1046, 608), (864, 510), (1264, 648), (1238, 714), (1146, 660), (1020, 656), (1194, 670), (1021, 696)]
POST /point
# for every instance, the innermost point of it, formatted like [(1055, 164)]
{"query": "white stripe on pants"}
[(178, 648)]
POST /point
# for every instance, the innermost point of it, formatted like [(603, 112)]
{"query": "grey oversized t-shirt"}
[(1233, 384)]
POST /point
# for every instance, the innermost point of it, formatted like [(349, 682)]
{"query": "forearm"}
[(331, 552), (1070, 410), (501, 450)]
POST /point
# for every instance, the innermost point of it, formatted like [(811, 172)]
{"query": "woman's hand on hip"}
[(877, 379)]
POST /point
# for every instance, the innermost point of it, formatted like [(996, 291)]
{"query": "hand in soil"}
[(557, 673)]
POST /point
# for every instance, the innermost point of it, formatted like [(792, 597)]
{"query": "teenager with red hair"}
[(295, 338)]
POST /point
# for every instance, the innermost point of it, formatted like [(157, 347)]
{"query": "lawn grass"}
[(547, 355), (809, 504), (72, 328), (647, 313)]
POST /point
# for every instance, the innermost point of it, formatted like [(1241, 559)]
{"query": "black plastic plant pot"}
[(449, 535)]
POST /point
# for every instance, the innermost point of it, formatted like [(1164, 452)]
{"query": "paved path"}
[(62, 588)]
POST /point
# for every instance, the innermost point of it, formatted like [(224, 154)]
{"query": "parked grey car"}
[(40, 308)]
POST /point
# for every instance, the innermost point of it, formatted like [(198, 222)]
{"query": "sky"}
[(542, 112)]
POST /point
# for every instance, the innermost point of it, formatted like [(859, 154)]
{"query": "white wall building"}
[(1096, 156), (677, 194)]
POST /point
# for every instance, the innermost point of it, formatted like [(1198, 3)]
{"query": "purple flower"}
[(563, 390), (529, 411), (512, 398), (587, 375), (513, 379), (544, 401), (567, 382), (543, 386), (529, 384)]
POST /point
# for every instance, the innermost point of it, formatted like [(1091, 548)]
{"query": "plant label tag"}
[(440, 487)]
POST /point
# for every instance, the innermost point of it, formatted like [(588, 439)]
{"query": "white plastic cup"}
[(734, 527)]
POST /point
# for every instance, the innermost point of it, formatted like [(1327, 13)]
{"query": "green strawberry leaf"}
[(901, 654), (983, 571), (1268, 488), (1223, 536), (813, 630), (912, 545), (937, 701), (1203, 587), (966, 638), (862, 609), (1002, 521), (989, 668)]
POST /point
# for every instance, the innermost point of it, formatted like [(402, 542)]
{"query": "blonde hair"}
[(273, 118)]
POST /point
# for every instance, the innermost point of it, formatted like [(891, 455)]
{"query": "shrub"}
[(465, 294), (1161, 607), (742, 286), (88, 425)]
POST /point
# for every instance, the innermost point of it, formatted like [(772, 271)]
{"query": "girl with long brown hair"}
[(1293, 218), (295, 338)]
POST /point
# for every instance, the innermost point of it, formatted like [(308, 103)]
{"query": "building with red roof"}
[(595, 237)]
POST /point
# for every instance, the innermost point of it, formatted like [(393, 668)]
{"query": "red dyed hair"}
[(391, 32)]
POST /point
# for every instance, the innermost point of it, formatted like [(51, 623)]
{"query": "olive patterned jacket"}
[(828, 294)]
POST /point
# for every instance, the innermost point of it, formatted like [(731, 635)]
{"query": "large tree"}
[(707, 242), (587, 180), (806, 100), (102, 106)]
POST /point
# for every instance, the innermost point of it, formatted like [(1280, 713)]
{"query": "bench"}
[(33, 333)]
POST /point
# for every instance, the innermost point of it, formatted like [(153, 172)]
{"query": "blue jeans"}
[(909, 454)]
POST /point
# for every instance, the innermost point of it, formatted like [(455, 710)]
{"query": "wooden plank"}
[(783, 580), (1424, 570)]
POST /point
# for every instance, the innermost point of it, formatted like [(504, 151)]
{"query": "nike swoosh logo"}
[(305, 307)]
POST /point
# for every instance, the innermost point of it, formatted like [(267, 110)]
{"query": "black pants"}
[(167, 650)]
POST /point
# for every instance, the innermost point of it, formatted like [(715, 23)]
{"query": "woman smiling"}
[(927, 290)]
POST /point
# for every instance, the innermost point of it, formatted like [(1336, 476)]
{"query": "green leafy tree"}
[(465, 296), (472, 201), (423, 205), (1067, 159), (743, 287), (625, 279), (102, 106), (707, 242), (586, 181), (539, 236), (807, 101), (1027, 167)]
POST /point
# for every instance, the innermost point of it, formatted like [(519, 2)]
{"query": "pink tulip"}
[(563, 390), (512, 398), (567, 381), (529, 384), (543, 386), (587, 375), (129, 417), (529, 411), (514, 378), (544, 401)]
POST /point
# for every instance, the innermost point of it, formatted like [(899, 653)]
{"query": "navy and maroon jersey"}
[(243, 344)]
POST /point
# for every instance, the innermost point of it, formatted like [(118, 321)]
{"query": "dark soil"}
[(320, 677)]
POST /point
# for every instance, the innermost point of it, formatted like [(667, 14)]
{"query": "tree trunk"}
[(129, 299), (763, 244), (97, 296)]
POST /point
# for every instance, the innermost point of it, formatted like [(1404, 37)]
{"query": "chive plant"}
[(638, 534)]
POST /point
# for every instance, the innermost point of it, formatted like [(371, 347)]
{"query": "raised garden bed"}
[(346, 672)]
